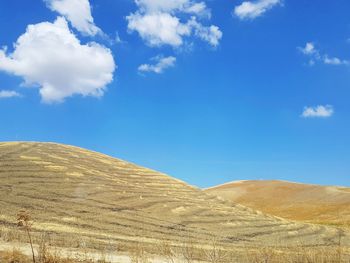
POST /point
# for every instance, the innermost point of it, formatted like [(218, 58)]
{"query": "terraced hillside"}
[(85, 198), (311, 203)]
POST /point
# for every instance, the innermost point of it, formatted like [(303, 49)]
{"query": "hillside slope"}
[(311, 203), (83, 198)]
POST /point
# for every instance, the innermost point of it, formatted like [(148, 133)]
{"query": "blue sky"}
[(206, 91)]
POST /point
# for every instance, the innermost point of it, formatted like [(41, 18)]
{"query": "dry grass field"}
[(86, 200), (328, 205)]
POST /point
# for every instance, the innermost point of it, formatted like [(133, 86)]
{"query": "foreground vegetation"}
[(166, 252), (186, 255)]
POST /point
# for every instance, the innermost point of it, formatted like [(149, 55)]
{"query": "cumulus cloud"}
[(252, 10), (77, 12), (5, 94), (159, 28), (159, 65), (50, 57), (318, 111), (161, 22), (315, 55)]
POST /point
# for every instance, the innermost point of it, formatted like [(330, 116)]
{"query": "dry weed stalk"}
[(167, 252), (24, 220), (188, 251), (216, 254)]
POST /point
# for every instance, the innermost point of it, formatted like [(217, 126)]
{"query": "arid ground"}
[(329, 205), (80, 199)]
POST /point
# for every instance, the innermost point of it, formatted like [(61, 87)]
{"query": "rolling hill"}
[(310, 203), (83, 198)]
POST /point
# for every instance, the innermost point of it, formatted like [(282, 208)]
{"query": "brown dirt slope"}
[(312, 203), (83, 198)]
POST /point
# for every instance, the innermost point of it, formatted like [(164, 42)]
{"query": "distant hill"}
[(83, 198), (311, 203)]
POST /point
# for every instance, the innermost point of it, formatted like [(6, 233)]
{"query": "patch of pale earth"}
[(178, 210), (80, 231), (93, 255), (73, 155), (54, 156), (56, 167), (231, 224), (331, 190), (106, 161), (55, 227), (69, 219), (41, 162), (5, 218), (220, 198), (75, 174), (9, 143)]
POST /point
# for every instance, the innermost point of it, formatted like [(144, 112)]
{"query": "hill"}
[(311, 203), (83, 198)]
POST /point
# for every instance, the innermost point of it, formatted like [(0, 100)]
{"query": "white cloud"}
[(49, 56), (5, 94), (309, 49), (159, 28), (334, 61), (78, 12), (318, 111), (211, 34), (160, 22), (315, 55), (173, 6), (160, 64), (251, 10)]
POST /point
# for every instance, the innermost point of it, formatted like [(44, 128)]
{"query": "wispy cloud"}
[(315, 55), (6, 94), (254, 9), (335, 61), (159, 65), (320, 111)]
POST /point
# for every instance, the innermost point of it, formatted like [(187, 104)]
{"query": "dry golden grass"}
[(16, 256), (214, 255), (82, 199), (328, 205)]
